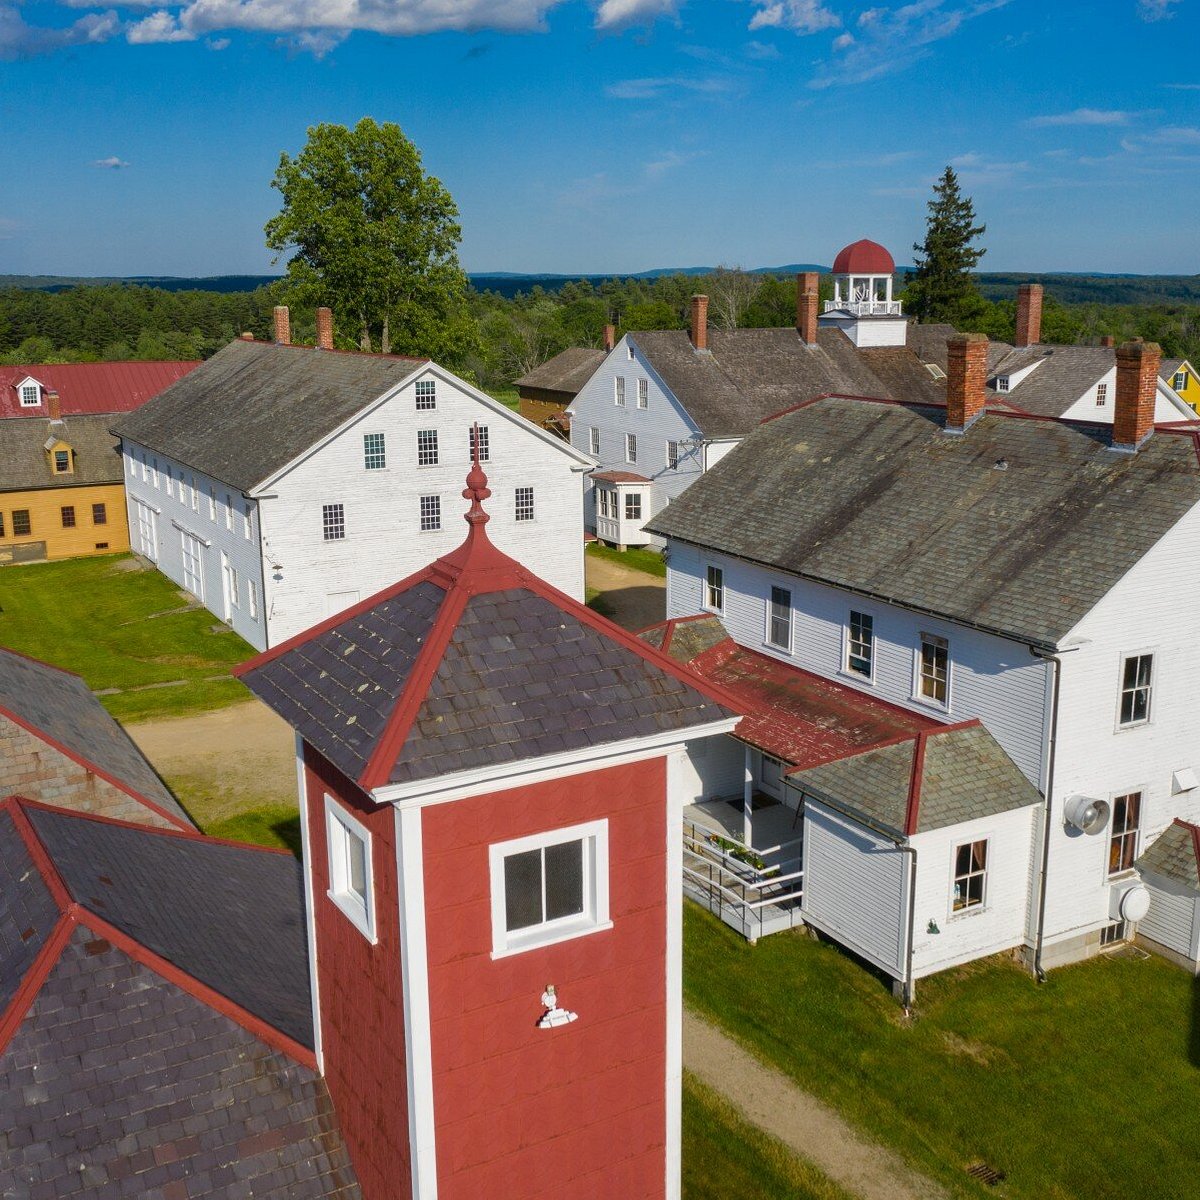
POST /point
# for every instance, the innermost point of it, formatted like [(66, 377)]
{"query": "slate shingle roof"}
[(566, 372), (28, 912), (25, 466), (254, 407), (1063, 375), (59, 705), (1174, 855), (472, 662), (963, 775), (751, 374), (875, 498)]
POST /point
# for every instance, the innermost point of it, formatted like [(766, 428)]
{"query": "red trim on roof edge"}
[(1194, 830), (23, 998), (912, 812), (40, 855)]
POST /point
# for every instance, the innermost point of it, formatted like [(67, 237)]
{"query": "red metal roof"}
[(864, 258), (105, 387), (620, 477)]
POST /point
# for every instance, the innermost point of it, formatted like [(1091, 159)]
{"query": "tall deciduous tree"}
[(943, 285), (375, 238)]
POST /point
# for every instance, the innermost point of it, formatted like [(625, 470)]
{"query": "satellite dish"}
[(1086, 814)]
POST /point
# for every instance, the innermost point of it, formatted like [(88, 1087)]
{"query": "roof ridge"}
[(912, 812), (55, 883), (332, 350), (12, 1016)]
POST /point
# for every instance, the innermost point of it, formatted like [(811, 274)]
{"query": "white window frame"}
[(630, 350), (253, 589), (672, 456), (707, 586), (428, 450), (786, 645), (375, 451), (228, 511), (1179, 381), (340, 826), (595, 915), (643, 393), (154, 472), (1134, 831), (1002, 383), (606, 502), (594, 442), (982, 905), (145, 468), (485, 444), (631, 447), (195, 496), (212, 502), (1101, 395), (627, 498), (1148, 688), (918, 660), (333, 522), (847, 641), (425, 394), (247, 520), (619, 391), (429, 513), (524, 505), (26, 389)]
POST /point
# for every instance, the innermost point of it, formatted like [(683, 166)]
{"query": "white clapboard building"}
[(280, 484), (967, 642)]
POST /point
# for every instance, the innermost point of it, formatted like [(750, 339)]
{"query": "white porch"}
[(623, 503)]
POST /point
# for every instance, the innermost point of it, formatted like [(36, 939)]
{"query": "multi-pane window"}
[(860, 644), (619, 393), (1, 525), (212, 503), (253, 600), (543, 885), (68, 516), (1101, 395), (1137, 674), (1002, 383), (21, 525), (1179, 381), (485, 449), (62, 461), (431, 512), (99, 514), (427, 447), (30, 395), (426, 394), (714, 588), (594, 441), (235, 587), (934, 674), (779, 621), (633, 506), (606, 498), (673, 455), (350, 867), (247, 520), (643, 392), (195, 496), (629, 349), (1122, 844), (228, 511), (374, 451), (333, 522), (524, 504), (970, 875), (631, 447)]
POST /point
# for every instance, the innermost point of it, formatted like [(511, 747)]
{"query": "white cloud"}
[(111, 163), (1156, 10), (160, 26), (843, 40), (218, 43), (1085, 116), (1175, 135), (800, 16), (1183, 87), (762, 51), (619, 14), (652, 88), (18, 39)]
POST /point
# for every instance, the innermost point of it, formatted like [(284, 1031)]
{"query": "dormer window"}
[(31, 395), (62, 462), (935, 370), (1002, 383)]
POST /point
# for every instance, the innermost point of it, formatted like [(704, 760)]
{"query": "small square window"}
[(633, 506), (426, 394), (333, 522), (485, 448), (1137, 677), (374, 451), (351, 885), (68, 516), (431, 513), (933, 678), (970, 875), (643, 393), (860, 645), (20, 522), (549, 887), (1002, 383), (631, 447), (524, 504), (427, 447), (779, 624), (594, 441), (62, 461), (619, 393), (714, 589)]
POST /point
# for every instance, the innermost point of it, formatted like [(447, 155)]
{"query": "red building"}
[(492, 813)]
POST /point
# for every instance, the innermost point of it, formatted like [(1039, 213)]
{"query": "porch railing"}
[(865, 308)]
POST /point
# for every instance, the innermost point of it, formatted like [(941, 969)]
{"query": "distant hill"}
[(168, 283)]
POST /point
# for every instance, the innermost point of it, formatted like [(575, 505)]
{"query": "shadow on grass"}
[(632, 608), (276, 826)]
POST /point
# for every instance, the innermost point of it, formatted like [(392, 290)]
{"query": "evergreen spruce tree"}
[(942, 286)]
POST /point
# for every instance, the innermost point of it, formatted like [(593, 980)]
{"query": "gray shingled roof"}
[(565, 372), (118, 1084), (751, 374), (254, 407), (1173, 855), (230, 916), (1063, 376), (875, 498), (28, 912), (24, 463), (965, 775), (60, 705), (928, 342)]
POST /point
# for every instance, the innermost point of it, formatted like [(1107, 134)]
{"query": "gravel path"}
[(775, 1104)]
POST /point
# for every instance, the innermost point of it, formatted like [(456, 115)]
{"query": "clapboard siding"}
[(991, 678), (855, 885), (1167, 406), (713, 768), (1171, 921)]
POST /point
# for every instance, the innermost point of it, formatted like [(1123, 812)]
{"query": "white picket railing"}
[(865, 308)]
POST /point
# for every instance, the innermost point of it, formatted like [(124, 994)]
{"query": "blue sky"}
[(611, 135)]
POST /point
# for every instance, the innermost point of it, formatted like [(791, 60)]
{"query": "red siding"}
[(362, 1005), (578, 1110)]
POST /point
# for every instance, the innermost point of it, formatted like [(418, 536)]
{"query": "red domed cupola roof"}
[(864, 258)]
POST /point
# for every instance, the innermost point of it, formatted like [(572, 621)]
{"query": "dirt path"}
[(814, 1131), (633, 599)]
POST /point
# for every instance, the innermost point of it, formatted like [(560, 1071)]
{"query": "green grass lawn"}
[(121, 628), (506, 395), (1083, 1088), (724, 1156), (637, 558)]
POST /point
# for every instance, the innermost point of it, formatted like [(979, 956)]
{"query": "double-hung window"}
[(426, 394), (253, 600), (431, 513), (631, 447), (970, 875), (374, 451), (1179, 381), (228, 511), (99, 514), (714, 589), (933, 670), (606, 498), (20, 522), (30, 395), (333, 522), (1137, 675), (1101, 395), (779, 619), (619, 391), (427, 447), (247, 520), (594, 441), (860, 645), (62, 462), (485, 445), (549, 887), (643, 393), (524, 504), (212, 502), (673, 456), (195, 496), (68, 516), (1122, 843), (350, 876)]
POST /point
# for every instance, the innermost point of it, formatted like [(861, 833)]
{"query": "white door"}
[(147, 537), (335, 602), (193, 564)]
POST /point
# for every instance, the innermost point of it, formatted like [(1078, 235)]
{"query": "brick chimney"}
[(699, 331), (283, 325), (324, 329), (610, 337), (1029, 314), (1108, 341), (1137, 389), (808, 304), (53, 405), (966, 375)]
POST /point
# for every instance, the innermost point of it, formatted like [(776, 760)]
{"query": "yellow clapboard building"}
[(1181, 375)]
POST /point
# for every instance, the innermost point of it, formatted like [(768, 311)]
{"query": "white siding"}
[(1171, 921), (870, 331), (991, 678), (855, 887), (713, 768), (1000, 923), (663, 420), (1153, 609), (1167, 406)]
